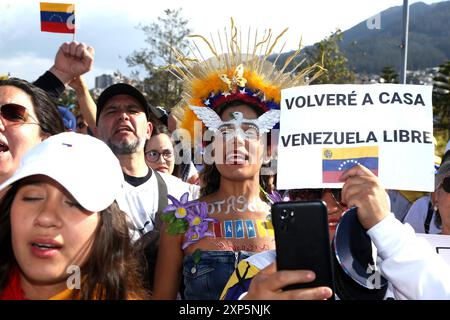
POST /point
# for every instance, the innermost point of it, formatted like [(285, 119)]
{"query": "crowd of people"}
[(104, 206)]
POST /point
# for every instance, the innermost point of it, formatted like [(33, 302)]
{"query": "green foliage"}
[(197, 255), (170, 31), (168, 217), (178, 226), (389, 75), (441, 102), (67, 98), (328, 53), (369, 50), (442, 136)]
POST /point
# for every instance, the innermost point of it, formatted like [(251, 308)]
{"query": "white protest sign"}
[(440, 242), (326, 129)]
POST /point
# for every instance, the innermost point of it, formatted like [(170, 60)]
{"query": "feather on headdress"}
[(233, 75)]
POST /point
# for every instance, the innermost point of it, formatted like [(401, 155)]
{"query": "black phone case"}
[(302, 240)]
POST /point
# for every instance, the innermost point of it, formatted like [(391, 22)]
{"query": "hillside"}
[(428, 45)]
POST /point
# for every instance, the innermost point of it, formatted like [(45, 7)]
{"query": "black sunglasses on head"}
[(81, 125), (14, 113), (446, 184)]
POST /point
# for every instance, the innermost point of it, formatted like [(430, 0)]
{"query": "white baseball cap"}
[(82, 164)]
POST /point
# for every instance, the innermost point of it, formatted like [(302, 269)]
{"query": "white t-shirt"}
[(417, 215), (141, 202)]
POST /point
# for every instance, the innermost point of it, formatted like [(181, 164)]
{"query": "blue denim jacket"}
[(206, 279)]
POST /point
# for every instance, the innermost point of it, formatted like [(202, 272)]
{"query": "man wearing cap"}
[(123, 123)]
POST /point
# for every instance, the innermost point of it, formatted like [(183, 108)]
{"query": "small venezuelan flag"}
[(57, 17), (336, 160)]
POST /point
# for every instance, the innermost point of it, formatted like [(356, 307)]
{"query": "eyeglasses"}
[(13, 113), (247, 131), (446, 184), (153, 155)]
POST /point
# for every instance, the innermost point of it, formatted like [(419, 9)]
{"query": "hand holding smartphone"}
[(302, 240)]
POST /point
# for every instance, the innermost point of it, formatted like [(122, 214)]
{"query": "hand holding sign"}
[(326, 129), (362, 190)]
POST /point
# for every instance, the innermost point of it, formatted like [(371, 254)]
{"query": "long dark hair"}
[(210, 175), (113, 269), (45, 108)]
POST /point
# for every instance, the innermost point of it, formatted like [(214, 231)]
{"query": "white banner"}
[(326, 129), (440, 243)]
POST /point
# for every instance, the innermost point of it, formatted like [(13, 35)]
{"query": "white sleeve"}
[(409, 263)]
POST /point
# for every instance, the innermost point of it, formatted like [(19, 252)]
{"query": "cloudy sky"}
[(110, 26)]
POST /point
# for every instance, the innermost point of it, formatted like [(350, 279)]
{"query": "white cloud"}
[(109, 26), (25, 65), (29, 67)]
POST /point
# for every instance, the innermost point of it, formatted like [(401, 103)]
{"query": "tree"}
[(328, 53), (441, 102), (389, 75), (67, 99), (170, 31)]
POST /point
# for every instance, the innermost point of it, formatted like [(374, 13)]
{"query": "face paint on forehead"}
[(212, 120), (240, 127)]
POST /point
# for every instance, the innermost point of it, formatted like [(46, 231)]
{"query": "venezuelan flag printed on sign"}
[(57, 17), (336, 160)]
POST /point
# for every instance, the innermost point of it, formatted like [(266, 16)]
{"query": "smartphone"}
[(302, 240)]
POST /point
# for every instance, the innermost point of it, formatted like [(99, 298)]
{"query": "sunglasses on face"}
[(153, 155), (15, 113), (446, 184)]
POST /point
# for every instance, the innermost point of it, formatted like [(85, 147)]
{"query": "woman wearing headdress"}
[(237, 97)]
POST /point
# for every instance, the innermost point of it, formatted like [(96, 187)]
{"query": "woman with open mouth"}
[(27, 116), (236, 96), (62, 235)]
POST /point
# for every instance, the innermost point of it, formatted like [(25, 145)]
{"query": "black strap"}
[(162, 200), (149, 242), (153, 235), (429, 216)]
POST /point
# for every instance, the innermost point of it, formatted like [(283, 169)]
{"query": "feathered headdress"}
[(232, 74)]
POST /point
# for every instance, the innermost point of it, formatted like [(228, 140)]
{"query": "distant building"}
[(103, 81), (423, 77)]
